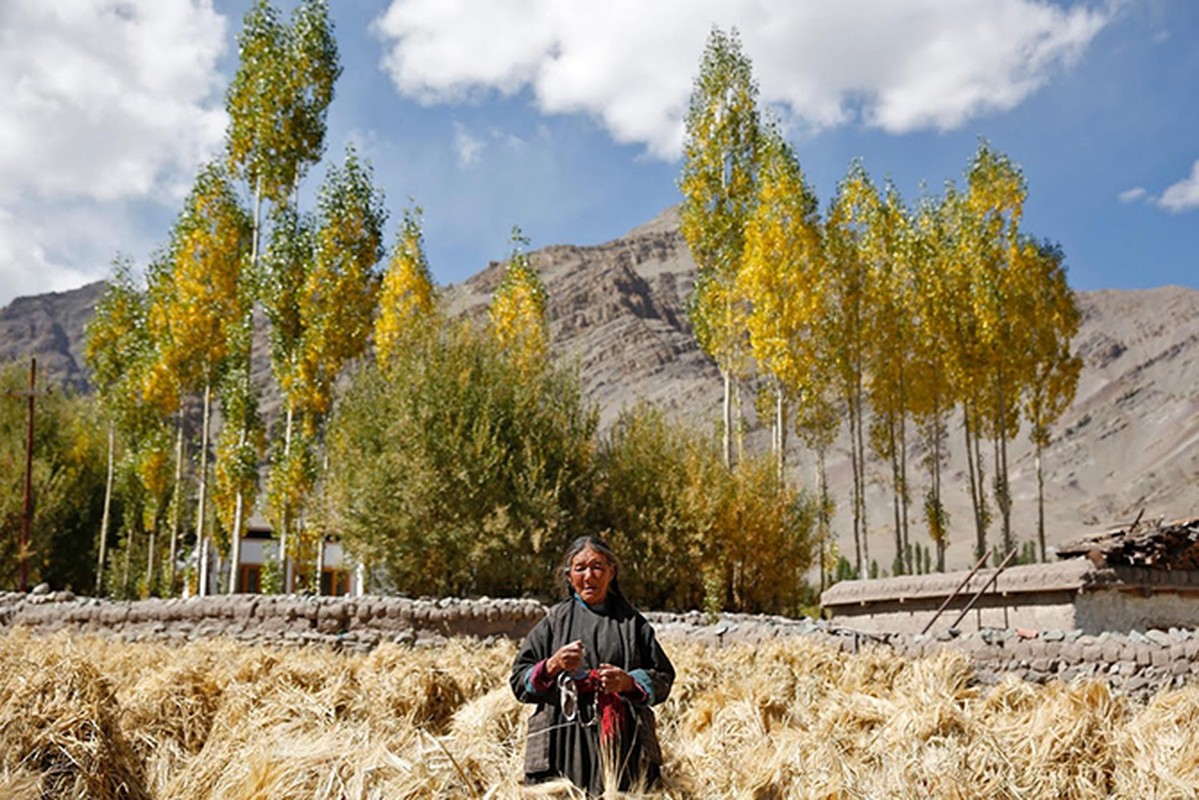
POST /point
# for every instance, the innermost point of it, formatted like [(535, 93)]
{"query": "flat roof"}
[(1075, 575)]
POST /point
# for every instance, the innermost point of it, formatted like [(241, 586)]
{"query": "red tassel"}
[(607, 705)]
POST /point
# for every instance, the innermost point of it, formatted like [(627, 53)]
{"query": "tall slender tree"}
[(115, 343), (849, 293), (932, 395), (337, 304), (277, 106), (995, 194), (888, 247), (967, 357), (1055, 317), (517, 310), (288, 260), (719, 186), (781, 279), (194, 305), (408, 300)]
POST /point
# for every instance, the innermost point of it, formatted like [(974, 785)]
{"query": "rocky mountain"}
[(50, 328), (1128, 445)]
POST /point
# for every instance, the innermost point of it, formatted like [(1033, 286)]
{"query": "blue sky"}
[(566, 117)]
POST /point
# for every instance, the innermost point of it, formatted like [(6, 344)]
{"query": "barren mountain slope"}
[(1130, 442), (618, 311), (50, 327)]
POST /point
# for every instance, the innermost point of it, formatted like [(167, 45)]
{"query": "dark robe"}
[(614, 634)]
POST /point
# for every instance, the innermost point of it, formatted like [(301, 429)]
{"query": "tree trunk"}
[(1040, 501), (151, 545), (899, 565), (823, 517), (780, 427), (235, 545), (128, 552), (980, 533), (201, 539), (1005, 502), (905, 499), (176, 506), (939, 431), (728, 417), (861, 448), (103, 550), (857, 488), (285, 521)]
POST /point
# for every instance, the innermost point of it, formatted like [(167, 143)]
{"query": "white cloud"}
[(899, 66), (25, 266), (469, 148), (1183, 195), (105, 99), (1132, 195), (103, 102)]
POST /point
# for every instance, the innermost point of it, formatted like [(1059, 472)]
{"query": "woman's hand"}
[(566, 659), (615, 680)]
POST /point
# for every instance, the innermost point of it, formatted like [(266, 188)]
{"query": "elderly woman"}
[(594, 668)]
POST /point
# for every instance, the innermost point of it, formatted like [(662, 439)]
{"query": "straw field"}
[(92, 718)]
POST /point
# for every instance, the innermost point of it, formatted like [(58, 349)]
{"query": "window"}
[(335, 582)]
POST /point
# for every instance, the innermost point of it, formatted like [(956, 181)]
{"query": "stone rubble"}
[(1137, 663)]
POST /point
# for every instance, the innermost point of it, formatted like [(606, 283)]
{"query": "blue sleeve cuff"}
[(538, 679), (641, 678)]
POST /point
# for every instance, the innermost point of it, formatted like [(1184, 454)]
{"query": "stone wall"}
[(1135, 662), (355, 623)]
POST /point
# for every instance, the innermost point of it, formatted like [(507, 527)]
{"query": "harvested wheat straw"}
[(214, 719)]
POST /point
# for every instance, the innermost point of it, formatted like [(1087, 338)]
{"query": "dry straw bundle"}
[(87, 717)]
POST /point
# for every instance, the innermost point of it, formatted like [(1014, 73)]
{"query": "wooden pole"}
[(27, 515), (27, 522)]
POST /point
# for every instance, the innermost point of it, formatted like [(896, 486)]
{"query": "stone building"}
[(1142, 577)]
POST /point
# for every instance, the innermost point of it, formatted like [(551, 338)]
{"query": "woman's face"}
[(590, 575)]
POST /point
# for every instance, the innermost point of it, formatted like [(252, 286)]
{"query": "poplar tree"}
[(849, 293), (719, 187), (337, 304), (932, 396), (781, 279), (287, 261), (277, 106), (407, 301), (114, 344), (517, 310), (195, 302), (995, 200), (888, 248), (1052, 307), (967, 357)]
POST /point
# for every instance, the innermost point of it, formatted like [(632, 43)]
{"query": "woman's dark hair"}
[(598, 545)]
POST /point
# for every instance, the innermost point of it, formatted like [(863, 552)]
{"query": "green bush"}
[(460, 471)]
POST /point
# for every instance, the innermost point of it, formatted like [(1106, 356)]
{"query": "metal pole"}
[(27, 522)]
